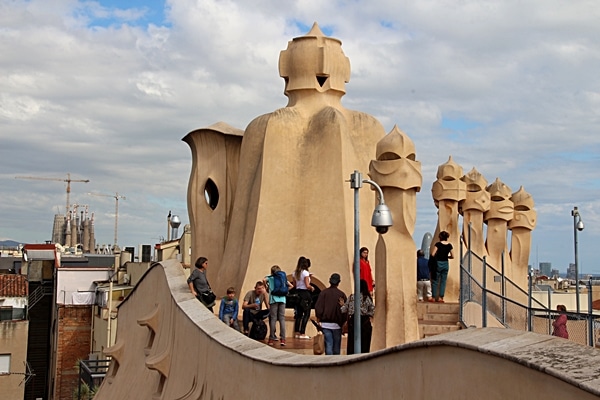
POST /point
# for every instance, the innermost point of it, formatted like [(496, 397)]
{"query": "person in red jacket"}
[(560, 323), (365, 269)]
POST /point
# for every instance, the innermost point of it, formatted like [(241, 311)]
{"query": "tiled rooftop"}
[(13, 285)]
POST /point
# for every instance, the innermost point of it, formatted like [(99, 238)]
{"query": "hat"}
[(335, 279)]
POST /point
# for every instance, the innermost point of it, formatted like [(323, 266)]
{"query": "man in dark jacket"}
[(330, 316)]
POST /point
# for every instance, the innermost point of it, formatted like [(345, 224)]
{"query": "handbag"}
[(319, 344), (208, 298), (292, 299)]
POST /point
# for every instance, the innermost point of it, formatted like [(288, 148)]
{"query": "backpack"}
[(280, 286), (432, 264), (258, 330)]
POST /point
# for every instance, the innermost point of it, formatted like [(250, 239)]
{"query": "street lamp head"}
[(381, 229), (382, 218)]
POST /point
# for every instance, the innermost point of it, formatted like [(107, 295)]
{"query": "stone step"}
[(436, 308), (439, 317), (427, 330)]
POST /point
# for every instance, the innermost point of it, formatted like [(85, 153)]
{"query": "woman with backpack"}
[(277, 286)]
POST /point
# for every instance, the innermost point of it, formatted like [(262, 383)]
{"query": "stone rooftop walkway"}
[(576, 364)]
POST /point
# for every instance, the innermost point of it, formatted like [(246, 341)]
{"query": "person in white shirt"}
[(303, 288)]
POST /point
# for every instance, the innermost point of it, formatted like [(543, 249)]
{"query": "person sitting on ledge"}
[(252, 306)]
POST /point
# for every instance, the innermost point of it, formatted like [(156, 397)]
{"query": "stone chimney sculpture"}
[(472, 208), (448, 191), (399, 175), (292, 198)]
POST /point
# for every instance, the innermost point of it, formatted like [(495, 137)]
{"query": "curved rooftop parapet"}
[(169, 346)]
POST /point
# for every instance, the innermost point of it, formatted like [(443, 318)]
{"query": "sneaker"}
[(303, 337), (271, 342), (282, 342), (297, 335), (431, 300)]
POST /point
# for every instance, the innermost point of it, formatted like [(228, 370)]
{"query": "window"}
[(6, 313), (4, 363), (211, 194)]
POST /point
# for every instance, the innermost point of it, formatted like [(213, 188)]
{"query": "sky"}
[(106, 90)]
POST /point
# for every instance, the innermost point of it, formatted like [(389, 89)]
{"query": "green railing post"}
[(503, 292), (484, 295), (590, 315), (529, 312)]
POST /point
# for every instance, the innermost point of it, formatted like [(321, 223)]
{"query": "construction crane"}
[(116, 196), (68, 180)]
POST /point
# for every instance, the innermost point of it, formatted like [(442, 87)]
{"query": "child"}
[(228, 312)]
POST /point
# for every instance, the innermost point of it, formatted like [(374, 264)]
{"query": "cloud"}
[(106, 91)]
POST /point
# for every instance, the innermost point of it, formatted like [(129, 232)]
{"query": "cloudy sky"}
[(106, 90)]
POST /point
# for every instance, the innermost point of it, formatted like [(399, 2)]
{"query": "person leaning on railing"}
[(560, 323)]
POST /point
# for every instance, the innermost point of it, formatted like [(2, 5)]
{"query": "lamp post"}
[(577, 226), (381, 220)]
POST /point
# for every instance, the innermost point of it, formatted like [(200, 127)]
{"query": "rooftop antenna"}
[(116, 196), (169, 226)]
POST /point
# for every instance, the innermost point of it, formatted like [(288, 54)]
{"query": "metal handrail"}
[(504, 298), (38, 294), (532, 311), (92, 373), (504, 278)]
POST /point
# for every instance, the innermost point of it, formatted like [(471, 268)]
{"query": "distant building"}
[(71, 307), (10, 264), (62, 295), (178, 248), (39, 263), (546, 268), (75, 230), (14, 328), (571, 271)]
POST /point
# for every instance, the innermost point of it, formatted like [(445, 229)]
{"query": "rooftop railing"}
[(488, 298)]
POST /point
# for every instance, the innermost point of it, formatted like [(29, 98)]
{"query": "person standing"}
[(276, 308), (303, 288), (199, 285), (365, 269), (442, 251), (423, 279), (560, 323), (330, 317), (367, 310)]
